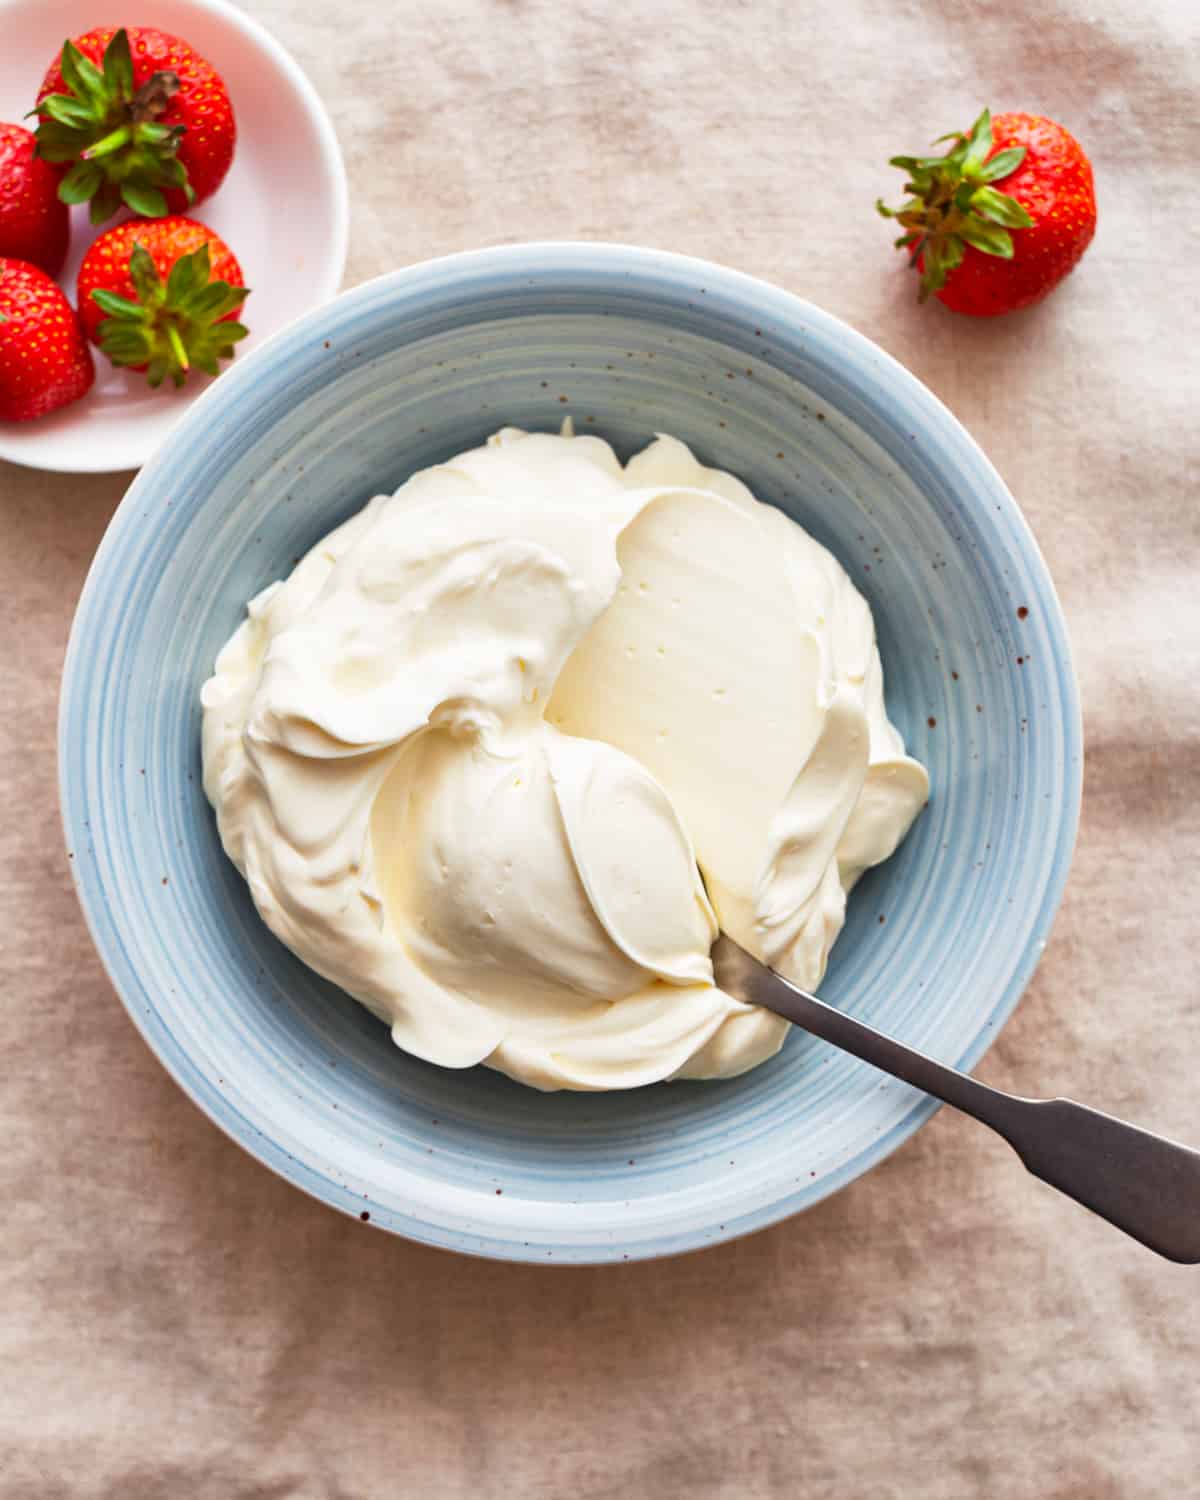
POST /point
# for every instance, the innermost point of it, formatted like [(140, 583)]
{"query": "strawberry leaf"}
[(127, 344), (216, 301), (933, 277), (156, 371), (147, 201), (144, 274), (65, 109), (115, 305), (188, 275), (68, 63), (989, 238), (979, 143), (57, 142), (1000, 208), (81, 75), (118, 66), (1003, 164), (80, 182), (105, 203)]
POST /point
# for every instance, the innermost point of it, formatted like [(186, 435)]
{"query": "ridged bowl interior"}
[(406, 371)]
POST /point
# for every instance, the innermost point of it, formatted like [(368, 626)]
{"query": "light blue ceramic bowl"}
[(405, 371)]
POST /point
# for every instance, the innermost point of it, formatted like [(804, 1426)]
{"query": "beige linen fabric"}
[(176, 1322)]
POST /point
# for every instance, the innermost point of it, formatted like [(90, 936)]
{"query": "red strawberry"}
[(957, 220), (33, 222), (159, 295), (45, 362), (142, 117)]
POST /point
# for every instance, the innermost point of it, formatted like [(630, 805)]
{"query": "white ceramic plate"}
[(282, 209)]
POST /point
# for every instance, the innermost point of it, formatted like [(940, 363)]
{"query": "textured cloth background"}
[(176, 1322)]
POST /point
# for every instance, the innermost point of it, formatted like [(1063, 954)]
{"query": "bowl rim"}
[(326, 282), (615, 260)]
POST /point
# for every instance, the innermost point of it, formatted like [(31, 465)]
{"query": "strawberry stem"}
[(108, 144), (177, 349)]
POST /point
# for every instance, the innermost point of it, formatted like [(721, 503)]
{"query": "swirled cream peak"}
[(472, 755)]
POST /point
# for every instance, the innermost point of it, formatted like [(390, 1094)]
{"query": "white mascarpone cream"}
[(473, 754)]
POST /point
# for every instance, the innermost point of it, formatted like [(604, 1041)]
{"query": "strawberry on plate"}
[(141, 117), (1016, 172), (34, 224), (45, 362), (161, 295)]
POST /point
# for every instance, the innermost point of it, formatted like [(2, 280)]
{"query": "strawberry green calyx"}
[(173, 325), (953, 204), (113, 133)]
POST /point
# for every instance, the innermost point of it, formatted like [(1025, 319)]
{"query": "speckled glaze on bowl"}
[(405, 371)]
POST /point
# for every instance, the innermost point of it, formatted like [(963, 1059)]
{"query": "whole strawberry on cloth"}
[(139, 117), (997, 222), (45, 362), (162, 295), (34, 224)]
